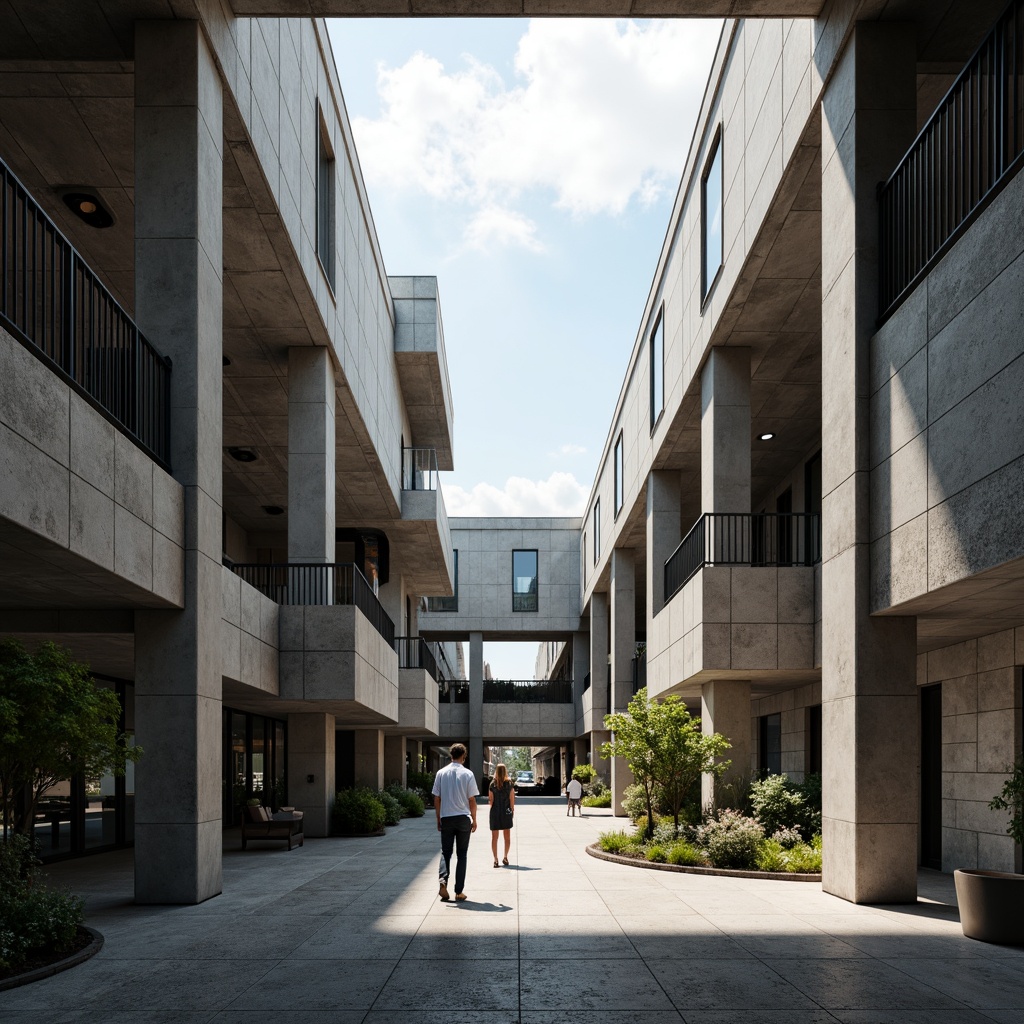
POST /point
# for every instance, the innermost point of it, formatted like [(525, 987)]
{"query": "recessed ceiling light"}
[(243, 454), (767, 436), (273, 510), (89, 208)]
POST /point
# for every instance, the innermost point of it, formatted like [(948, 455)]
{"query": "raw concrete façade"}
[(806, 519)]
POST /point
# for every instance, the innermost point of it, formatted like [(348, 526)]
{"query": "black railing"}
[(527, 691), (419, 469), (56, 306), (318, 584), (453, 691), (970, 147), (728, 538), (639, 665), (415, 652)]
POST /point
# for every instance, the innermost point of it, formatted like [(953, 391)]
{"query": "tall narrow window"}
[(769, 759), (657, 368), (618, 474), (597, 530), (325, 199), (524, 581), (711, 217)]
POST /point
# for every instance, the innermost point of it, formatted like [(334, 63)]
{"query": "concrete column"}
[(663, 535), (623, 646), (725, 431), (475, 744), (581, 751), (580, 661), (725, 708), (179, 305), (369, 759), (599, 656), (870, 745), (311, 786), (394, 759), (311, 443)]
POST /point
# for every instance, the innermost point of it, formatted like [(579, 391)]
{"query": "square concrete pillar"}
[(394, 760), (369, 758), (475, 740), (599, 655), (311, 786), (663, 534), (725, 708), (580, 662), (623, 647), (725, 431), (870, 742), (311, 447), (178, 306)]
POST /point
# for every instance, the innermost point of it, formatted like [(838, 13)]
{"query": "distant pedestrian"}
[(502, 798), (455, 792), (573, 796)]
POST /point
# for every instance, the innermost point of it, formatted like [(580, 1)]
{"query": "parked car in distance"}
[(525, 782)]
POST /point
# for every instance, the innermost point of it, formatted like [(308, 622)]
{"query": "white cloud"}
[(560, 495), (601, 113), (567, 450)]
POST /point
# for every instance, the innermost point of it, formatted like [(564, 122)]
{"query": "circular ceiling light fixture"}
[(243, 454), (88, 207), (767, 435)]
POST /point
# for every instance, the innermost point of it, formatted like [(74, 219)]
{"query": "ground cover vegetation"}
[(768, 824), (364, 811)]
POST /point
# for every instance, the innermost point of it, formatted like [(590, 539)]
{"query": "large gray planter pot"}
[(991, 905)]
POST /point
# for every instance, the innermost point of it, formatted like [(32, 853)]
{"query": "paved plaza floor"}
[(351, 931)]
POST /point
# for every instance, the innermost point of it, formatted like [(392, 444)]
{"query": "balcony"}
[(417, 688), (53, 304), (422, 532), (970, 148)]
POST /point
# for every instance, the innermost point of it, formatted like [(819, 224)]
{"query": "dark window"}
[(813, 759), (657, 368), (711, 217), (931, 776), (769, 750), (448, 604), (618, 474), (524, 581), (325, 200), (597, 530)]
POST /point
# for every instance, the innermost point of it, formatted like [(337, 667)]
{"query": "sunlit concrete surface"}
[(351, 930)]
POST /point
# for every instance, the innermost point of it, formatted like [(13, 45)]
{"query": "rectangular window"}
[(597, 530), (448, 604), (657, 368), (524, 581), (769, 753), (711, 217), (325, 199), (813, 759), (618, 474)]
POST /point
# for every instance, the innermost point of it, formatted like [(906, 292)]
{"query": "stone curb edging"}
[(778, 876), (61, 965)]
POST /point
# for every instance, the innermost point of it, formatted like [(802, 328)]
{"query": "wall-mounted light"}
[(243, 454), (767, 436), (88, 207), (273, 510)]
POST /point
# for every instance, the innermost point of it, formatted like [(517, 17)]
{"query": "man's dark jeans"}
[(455, 831)]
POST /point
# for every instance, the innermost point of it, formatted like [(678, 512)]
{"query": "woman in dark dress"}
[(502, 799)]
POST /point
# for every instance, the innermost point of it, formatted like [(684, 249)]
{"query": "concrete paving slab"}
[(346, 931)]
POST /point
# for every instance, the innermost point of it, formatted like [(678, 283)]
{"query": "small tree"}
[(664, 748), (54, 723), (1011, 798), (584, 774)]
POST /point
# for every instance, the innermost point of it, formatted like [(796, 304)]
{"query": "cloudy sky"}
[(532, 166)]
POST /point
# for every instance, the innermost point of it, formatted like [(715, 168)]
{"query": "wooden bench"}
[(258, 823)]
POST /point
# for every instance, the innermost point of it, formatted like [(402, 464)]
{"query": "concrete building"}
[(221, 424)]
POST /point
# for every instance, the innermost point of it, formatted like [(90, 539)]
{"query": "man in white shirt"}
[(455, 792), (574, 793)]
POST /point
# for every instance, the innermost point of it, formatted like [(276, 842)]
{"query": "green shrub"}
[(393, 810), (771, 856), (598, 800), (810, 790), (733, 793), (682, 852), (777, 803), (618, 842), (803, 857), (787, 838), (731, 840), (33, 919), (634, 803), (412, 803), (358, 812), (585, 773), (599, 788), (656, 853), (421, 781)]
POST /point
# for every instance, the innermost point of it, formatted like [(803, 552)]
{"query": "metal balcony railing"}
[(639, 666), (971, 146), (453, 691), (56, 306), (419, 469), (415, 652), (728, 538), (527, 691), (301, 583)]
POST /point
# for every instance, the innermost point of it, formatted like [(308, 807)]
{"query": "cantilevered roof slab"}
[(529, 8)]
